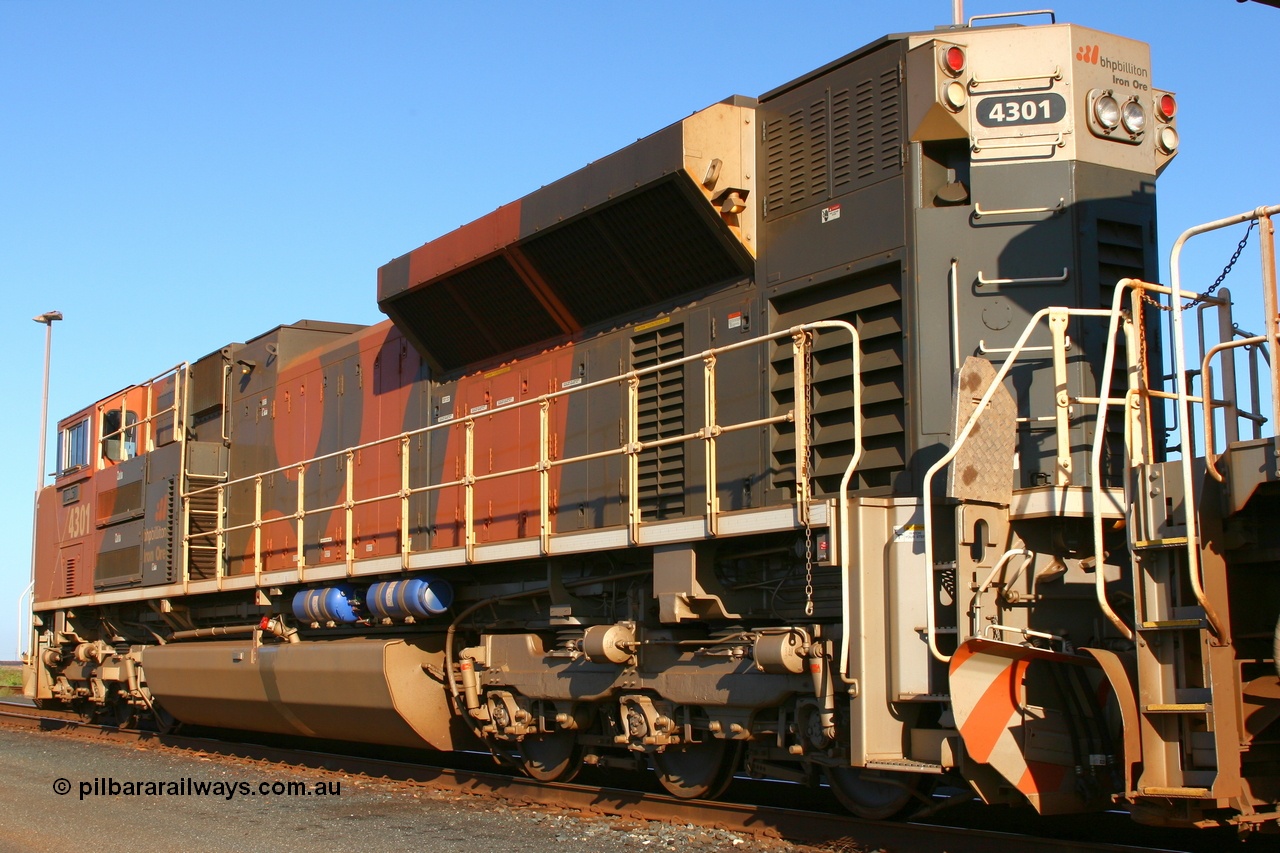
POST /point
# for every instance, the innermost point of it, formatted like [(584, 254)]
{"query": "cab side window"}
[(73, 447), (119, 435)]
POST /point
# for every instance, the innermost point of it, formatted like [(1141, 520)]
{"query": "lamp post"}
[(47, 318)]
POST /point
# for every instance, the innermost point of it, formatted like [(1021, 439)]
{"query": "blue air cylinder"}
[(414, 597), (331, 604)]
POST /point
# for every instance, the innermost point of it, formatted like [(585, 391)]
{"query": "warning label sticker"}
[(909, 533)]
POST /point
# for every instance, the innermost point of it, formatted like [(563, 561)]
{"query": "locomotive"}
[(817, 436)]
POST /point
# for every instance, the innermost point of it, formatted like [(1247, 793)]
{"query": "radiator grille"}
[(872, 303), (661, 415)]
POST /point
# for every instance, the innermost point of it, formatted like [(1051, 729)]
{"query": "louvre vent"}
[(69, 566), (1120, 255), (877, 125), (661, 415), (821, 144), (872, 303)]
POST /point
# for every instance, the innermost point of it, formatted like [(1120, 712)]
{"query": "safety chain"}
[(806, 470), (1235, 256)]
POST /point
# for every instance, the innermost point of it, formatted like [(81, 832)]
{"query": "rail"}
[(630, 449)]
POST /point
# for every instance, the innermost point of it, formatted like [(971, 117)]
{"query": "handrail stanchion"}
[(1271, 306), (301, 516), (349, 512), (405, 534), (800, 407), (710, 431), (257, 529), (469, 488), (544, 474), (633, 458)]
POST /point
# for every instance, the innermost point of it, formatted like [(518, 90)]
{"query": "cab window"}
[(73, 446), (119, 435)]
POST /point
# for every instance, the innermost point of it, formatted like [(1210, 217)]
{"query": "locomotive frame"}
[(647, 467)]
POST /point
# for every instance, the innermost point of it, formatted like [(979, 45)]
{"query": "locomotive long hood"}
[(664, 218)]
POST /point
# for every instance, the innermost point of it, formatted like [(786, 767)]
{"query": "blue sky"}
[(178, 176)]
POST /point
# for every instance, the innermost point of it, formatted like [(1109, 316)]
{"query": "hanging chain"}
[(807, 469), (1226, 271)]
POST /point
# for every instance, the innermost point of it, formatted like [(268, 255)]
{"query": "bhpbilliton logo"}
[(1088, 53)]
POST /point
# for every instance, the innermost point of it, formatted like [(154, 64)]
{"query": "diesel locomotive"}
[(820, 436)]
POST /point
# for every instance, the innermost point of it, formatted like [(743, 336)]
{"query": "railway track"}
[(746, 811)]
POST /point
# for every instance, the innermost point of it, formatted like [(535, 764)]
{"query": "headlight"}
[(1167, 140), (1107, 111), (1134, 117)]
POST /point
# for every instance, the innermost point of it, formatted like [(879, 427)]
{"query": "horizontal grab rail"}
[(978, 212), (983, 281)]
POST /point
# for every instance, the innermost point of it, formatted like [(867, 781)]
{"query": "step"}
[(1179, 708), (1153, 544), (905, 765), (1173, 625), (1191, 793)]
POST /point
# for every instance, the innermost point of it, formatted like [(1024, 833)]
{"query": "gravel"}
[(353, 814)]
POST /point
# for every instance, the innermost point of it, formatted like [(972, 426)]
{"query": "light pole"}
[(24, 630)]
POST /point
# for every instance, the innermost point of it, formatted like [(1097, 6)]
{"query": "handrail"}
[(25, 618), (958, 442), (1180, 379), (630, 449), (1053, 18), (178, 372), (1104, 403), (1209, 404)]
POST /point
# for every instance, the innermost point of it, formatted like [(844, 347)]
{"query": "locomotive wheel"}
[(552, 757), (869, 796), (698, 770)]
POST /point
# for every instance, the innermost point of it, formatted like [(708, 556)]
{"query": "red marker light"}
[(953, 60), (1166, 107)]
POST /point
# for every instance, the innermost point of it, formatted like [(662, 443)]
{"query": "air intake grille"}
[(872, 303), (821, 143), (69, 566), (650, 247), (121, 502), (118, 567), (1121, 254), (660, 243), (476, 312), (661, 415)]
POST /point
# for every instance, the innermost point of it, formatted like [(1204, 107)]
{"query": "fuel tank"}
[(376, 691)]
